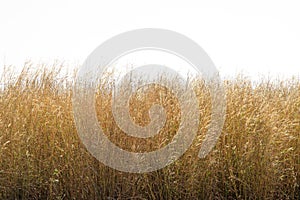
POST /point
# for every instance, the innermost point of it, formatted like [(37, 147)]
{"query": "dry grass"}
[(41, 156)]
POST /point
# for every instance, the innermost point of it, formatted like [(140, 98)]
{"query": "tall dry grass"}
[(42, 157)]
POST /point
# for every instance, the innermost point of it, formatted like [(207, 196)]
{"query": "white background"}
[(253, 37)]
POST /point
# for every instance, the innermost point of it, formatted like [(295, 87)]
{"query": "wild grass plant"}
[(42, 156)]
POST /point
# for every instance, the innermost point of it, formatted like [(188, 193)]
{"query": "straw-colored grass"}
[(42, 157)]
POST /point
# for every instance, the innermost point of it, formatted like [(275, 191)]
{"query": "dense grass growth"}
[(42, 157)]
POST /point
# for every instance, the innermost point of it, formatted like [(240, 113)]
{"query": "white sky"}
[(255, 37)]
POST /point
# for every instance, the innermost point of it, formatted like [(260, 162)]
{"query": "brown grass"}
[(42, 157)]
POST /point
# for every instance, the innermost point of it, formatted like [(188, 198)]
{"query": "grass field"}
[(42, 157)]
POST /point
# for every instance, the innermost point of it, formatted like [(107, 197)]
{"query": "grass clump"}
[(42, 157)]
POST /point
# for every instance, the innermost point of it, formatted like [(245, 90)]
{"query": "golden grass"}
[(42, 157)]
